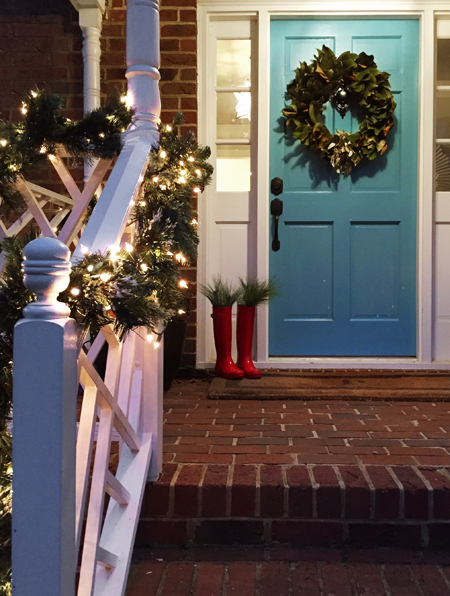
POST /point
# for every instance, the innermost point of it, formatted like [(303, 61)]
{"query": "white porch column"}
[(44, 433), (143, 65)]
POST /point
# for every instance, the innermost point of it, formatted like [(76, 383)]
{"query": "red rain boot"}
[(225, 367), (245, 321)]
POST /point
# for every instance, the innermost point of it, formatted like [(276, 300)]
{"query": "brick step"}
[(298, 505)]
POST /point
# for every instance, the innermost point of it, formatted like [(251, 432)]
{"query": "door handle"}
[(276, 209)]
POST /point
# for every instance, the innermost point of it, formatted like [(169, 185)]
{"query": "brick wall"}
[(41, 43)]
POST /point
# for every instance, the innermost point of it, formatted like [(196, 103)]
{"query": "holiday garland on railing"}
[(356, 78), (137, 285)]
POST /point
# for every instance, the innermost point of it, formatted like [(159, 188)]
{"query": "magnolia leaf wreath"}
[(357, 76)]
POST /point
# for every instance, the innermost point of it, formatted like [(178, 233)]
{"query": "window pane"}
[(443, 116), (233, 62), (233, 168), (443, 167), (443, 60), (233, 115)]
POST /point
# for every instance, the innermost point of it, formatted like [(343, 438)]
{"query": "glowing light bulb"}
[(191, 158), (105, 276), (142, 203), (197, 190), (52, 157), (170, 254), (183, 172), (168, 128), (182, 283), (3, 142), (84, 249), (43, 149), (33, 94), (163, 154), (107, 307), (12, 167), (155, 178), (75, 291), (156, 344), (194, 222), (101, 135), (124, 99), (144, 267), (163, 187), (198, 172), (182, 180), (149, 337), (132, 203), (180, 258), (113, 254), (129, 247), (24, 108), (181, 311), (90, 268), (181, 162)]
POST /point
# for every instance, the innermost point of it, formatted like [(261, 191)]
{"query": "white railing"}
[(55, 516)]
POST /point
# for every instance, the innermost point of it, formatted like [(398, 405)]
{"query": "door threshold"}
[(332, 362)]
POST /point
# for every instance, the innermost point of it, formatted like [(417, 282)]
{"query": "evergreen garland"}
[(136, 286)]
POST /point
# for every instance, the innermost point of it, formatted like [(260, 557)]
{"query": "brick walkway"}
[(309, 574), (282, 479)]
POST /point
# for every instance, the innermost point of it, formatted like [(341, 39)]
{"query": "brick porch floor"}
[(286, 477)]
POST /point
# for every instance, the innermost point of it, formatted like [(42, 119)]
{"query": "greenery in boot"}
[(256, 291), (220, 292)]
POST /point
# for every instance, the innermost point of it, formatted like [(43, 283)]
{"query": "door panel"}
[(347, 262)]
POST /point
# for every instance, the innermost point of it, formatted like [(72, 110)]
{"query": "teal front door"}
[(346, 266)]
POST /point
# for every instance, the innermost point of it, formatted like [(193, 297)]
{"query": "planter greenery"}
[(220, 292), (253, 292)]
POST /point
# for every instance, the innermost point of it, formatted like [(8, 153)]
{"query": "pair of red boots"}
[(225, 366)]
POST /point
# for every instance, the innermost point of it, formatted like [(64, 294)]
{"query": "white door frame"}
[(263, 12)]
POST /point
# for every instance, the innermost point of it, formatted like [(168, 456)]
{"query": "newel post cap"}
[(46, 267)]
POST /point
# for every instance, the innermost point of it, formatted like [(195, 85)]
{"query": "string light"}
[(132, 203), (182, 180), (107, 307), (142, 203), (55, 229), (3, 142), (191, 158), (33, 94), (180, 258), (163, 187), (168, 128), (183, 172), (156, 344), (182, 283), (24, 108), (75, 291), (155, 179), (124, 99), (113, 255), (101, 135), (43, 149), (163, 154), (170, 254), (194, 222), (84, 249), (52, 157), (90, 268), (198, 172), (12, 167), (149, 338), (129, 247), (181, 311), (197, 189), (144, 267), (181, 162), (105, 276)]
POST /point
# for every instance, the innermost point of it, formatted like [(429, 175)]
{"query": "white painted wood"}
[(442, 208), (54, 197), (222, 19), (121, 522), (116, 490), (121, 423), (106, 559), (34, 208), (45, 389)]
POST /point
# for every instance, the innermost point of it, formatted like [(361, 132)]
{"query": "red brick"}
[(273, 579), (441, 492), (178, 31), (387, 493), (390, 460), (156, 496), (186, 490), (214, 491), (229, 532), (178, 580), (271, 492), (238, 449), (241, 579), (264, 459), (161, 532), (300, 492), (243, 491), (399, 580), (415, 491), (169, 45), (367, 579), (303, 533), (204, 459), (357, 494), (328, 493), (168, 15), (305, 580), (430, 580), (209, 579), (439, 535), (188, 16), (369, 535), (335, 579), (188, 45), (145, 581)]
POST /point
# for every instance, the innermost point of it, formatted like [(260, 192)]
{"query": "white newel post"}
[(44, 433)]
